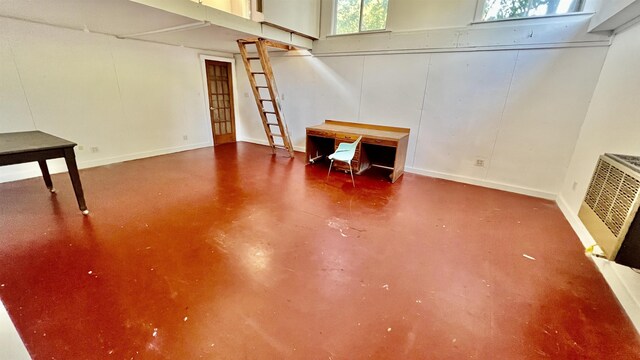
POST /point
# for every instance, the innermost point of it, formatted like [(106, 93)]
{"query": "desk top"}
[(366, 130), (21, 142)]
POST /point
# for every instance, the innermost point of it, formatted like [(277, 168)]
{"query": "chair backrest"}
[(353, 146), (345, 151)]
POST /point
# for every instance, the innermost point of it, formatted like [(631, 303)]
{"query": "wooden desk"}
[(381, 146), (22, 147)]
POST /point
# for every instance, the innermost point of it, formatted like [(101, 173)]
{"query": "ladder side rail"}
[(273, 91), (256, 93)]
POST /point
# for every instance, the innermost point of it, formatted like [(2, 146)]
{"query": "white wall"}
[(236, 7), (302, 16), (612, 125), (407, 15), (129, 98), (520, 110), (512, 94)]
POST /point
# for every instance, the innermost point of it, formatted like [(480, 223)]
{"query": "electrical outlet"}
[(480, 162), (185, 137), (574, 186), (80, 147), (246, 94), (95, 149)]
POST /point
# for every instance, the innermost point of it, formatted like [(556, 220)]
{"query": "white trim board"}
[(484, 183), (266, 143), (34, 171), (10, 342), (612, 272)]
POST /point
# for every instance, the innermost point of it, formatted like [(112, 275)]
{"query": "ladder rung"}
[(268, 112), (262, 86), (265, 100), (273, 124), (278, 135), (280, 147), (258, 72), (253, 58)]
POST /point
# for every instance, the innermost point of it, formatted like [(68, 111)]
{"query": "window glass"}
[(510, 9), (353, 16), (374, 15)]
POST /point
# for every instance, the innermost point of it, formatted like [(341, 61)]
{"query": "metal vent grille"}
[(611, 195)]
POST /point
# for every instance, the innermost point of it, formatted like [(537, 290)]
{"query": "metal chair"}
[(345, 153)]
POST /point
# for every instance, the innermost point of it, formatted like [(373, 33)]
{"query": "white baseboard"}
[(266, 143), (576, 224), (452, 177), (484, 183), (624, 283), (34, 170)]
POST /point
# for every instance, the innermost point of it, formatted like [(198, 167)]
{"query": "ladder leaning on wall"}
[(265, 92)]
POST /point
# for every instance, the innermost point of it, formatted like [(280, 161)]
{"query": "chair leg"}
[(351, 170), (329, 173)]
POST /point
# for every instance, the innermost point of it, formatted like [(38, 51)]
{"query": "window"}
[(353, 16), (513, 9)]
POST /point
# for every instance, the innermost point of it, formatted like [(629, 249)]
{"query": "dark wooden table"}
[(22, 147)]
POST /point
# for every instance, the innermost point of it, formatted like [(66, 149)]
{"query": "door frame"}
[(234, 90)]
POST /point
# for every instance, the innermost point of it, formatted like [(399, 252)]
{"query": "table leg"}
[(70, 159), (45, 175)]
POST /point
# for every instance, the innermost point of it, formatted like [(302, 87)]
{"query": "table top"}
[(21, 142), (366, 130)]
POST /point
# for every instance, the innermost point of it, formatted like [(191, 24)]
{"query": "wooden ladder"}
[(265, 92)]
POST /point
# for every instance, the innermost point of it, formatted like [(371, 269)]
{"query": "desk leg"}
[(45, 175), (70, 159)]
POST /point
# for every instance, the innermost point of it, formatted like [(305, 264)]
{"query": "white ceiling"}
[(121, 18)]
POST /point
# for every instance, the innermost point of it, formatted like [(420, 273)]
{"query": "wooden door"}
[(219, 82)]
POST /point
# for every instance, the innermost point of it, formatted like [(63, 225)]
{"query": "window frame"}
[(360, 31), (477, 19)]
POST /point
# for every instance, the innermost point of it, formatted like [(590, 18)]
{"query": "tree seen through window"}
[(509, 9), (349, 19)]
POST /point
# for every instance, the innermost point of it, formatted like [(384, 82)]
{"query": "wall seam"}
[(117, 76), (424, 100), (24, 92), (586, 114), (364, 58), (504, 108)]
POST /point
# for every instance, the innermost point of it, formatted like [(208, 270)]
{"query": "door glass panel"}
[(218, 78)]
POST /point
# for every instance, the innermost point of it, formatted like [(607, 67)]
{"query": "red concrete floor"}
[(234, 254)]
